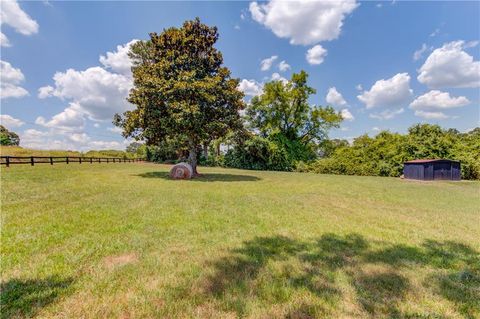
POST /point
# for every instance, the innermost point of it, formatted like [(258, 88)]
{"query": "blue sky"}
[(385, 65)]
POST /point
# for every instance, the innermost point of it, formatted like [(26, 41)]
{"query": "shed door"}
[(442, 171)]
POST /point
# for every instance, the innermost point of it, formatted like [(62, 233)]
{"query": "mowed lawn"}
[(125, 241)]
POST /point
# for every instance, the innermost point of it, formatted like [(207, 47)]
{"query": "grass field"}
[(124, 241)]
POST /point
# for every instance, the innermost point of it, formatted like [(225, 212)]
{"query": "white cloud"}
[(346, 115), (316, 54), (10, 122), (250, 87), (435, 33), (4, 42), (115, 129), (266, 64), (96, 92), (417, 55), (99, 93), (359, 87), (119, 61), (303, 22), (450, 66), (55, 140), (335, 98), (431, 115), (70, 119), (387, 114), (277, 77), (284, 66), (388, 93), (376, 129), (12, 15), (437, 100), (10, 79)]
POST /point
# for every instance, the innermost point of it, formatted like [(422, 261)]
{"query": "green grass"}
[(124, 241)]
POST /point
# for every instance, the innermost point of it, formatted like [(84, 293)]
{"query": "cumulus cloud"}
[(451, 66), (316, 54), (335, 98), (388, 93), (10, 122), (97, 92), (119, 61), (284, 66), (266, 64), (12, 15), (10, 79), (346, 115), (250, 87), (303, 22), (70, 119), (387, 114), (431, 115), (437, 100)]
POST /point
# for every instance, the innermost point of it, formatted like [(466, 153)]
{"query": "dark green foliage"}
[(181, 89), (7, 137), (260, 154), (166, 151), (384, 154)]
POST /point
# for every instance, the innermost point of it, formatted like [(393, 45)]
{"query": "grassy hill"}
[(124, 241)]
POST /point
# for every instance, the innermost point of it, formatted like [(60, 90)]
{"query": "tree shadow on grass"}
[(210, 177), (272, 270), (24, 298)]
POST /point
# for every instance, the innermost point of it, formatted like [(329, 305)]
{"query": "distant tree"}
[(181, 90), (7, 137), (284, 108), (133, 147)]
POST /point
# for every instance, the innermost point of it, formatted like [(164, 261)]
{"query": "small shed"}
[(432, 169)]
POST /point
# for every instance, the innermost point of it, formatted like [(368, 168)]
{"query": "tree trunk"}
[(192, 157)]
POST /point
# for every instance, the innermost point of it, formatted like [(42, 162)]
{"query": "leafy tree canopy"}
[(181, 90), (284, 108)]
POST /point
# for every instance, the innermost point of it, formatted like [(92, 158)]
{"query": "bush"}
[(259, 154)]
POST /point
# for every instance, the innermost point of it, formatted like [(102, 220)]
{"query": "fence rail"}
[(32, 160)]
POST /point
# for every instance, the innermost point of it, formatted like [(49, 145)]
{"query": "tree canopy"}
[(181, 90), (283, 107)]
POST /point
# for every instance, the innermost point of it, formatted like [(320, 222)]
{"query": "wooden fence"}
[(32, 160)]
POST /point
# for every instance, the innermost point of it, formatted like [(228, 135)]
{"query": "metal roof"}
[(420, 161)]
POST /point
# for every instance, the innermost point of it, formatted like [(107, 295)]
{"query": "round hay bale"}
[(181, 171)]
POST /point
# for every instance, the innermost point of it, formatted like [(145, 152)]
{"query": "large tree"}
[(283, 108), (181, 90)]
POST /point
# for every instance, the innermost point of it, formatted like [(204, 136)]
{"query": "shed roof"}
[(421, 161)]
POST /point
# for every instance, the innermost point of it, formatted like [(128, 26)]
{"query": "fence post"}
[(51, 160), (66, 158), (31, 160), (80, 160), (8, 161), (90, 160)]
